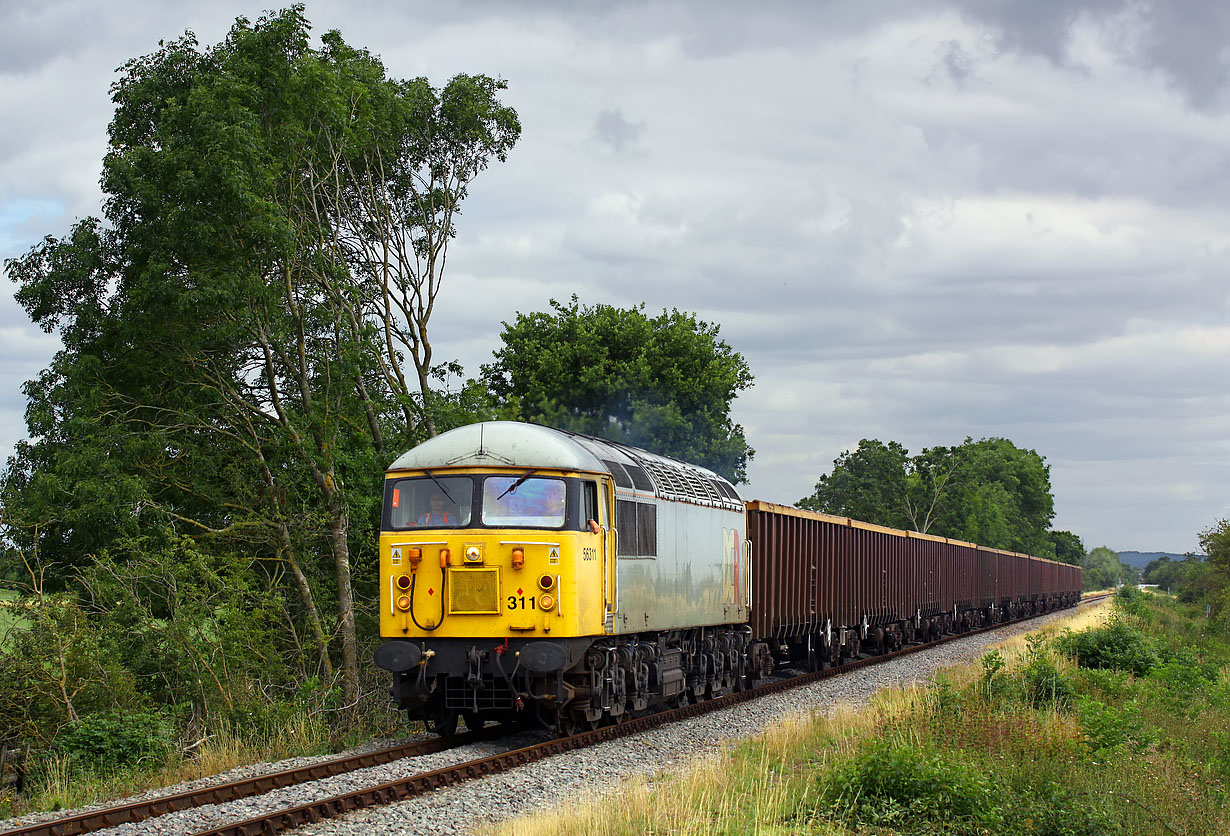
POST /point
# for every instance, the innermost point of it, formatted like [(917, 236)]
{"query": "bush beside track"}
[(1112, 728)]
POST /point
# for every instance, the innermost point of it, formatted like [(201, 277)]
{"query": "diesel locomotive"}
[(532, 574)]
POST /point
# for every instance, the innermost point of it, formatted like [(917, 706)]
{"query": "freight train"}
[(531, 574)]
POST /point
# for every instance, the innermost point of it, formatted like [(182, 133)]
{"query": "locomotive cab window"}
[(533, 502), (423, 502)]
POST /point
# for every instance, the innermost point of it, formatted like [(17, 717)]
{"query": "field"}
[(1116, 726), (9, 619)]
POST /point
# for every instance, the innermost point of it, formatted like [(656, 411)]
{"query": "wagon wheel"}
[(444, 722)]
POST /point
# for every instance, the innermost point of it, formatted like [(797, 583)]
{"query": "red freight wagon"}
[(825, 587), (988, 573)]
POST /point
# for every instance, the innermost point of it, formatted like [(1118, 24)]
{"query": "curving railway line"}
[(424, 782)]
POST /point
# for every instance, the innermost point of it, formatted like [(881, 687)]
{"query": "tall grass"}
[(62, 781)]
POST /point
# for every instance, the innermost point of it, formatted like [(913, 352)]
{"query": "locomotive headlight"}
[(403, 603), (546, 583), (403, 581), (473, 554), (546, 602)]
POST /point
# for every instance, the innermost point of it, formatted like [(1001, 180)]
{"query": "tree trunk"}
[(309, 601), (338, 524)]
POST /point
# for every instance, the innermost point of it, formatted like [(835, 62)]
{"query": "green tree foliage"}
[(870, 484), (1215, 541), (1103, 568), (1192, 579), (276, 226), (664, 383), (1068, 547), (989, 492)]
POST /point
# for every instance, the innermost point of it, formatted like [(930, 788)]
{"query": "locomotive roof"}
[(514, 444)]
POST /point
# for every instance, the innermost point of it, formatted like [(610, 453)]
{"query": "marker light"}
[(546, 582), (403, 581), (546, 602), (403, 603)]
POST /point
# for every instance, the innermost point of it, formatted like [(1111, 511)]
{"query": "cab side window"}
[(589, 496)]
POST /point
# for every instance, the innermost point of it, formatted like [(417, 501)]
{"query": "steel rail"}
[(100, 819), (402, 789)]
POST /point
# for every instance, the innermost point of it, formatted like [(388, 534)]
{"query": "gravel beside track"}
[(547, 783)]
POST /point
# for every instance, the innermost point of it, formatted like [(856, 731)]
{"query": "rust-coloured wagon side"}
[(815, 573)]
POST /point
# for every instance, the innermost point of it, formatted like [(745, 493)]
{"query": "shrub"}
[(909, 788), (1060, 813), (1132, 601), (993, 679), (1107, 727), (112, 739), (1043, 683), (1116, 645)]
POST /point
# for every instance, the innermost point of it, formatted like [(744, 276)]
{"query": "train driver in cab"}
[(437, 514)]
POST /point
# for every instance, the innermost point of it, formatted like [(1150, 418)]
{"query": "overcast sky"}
[(919, 221)]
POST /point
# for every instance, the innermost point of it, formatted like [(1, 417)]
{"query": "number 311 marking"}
[(518, 602)]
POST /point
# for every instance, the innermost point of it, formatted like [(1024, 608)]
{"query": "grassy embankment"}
[(1024, 742)]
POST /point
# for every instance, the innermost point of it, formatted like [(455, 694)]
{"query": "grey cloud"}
[(1186, 39), (957, 63), (34, 33), (616, 132)]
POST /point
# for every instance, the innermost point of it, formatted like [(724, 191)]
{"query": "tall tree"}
[(868, 483), (1215, 540), (665, 383), (223, 332), (1068, 547), (1102, 569)]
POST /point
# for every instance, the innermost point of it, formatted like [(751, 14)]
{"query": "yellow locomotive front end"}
[(496, 574), (480, 553)]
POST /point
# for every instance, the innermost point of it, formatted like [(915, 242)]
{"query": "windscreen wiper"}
[(440, 485), (516, 484)]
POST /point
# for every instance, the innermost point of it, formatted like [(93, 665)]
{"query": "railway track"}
[(419, 784)]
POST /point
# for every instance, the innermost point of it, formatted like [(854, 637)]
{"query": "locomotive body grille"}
[(489, 694), (474, 591)]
